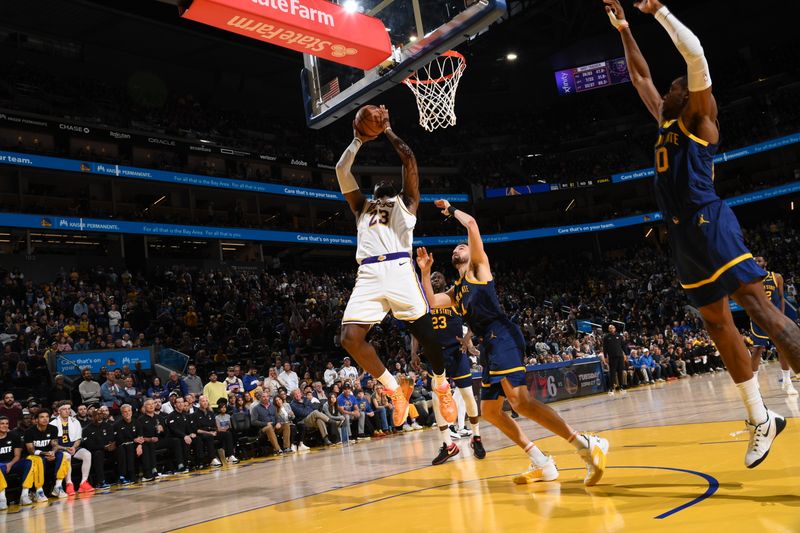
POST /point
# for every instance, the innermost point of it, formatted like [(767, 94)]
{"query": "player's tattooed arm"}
[(410, 191)]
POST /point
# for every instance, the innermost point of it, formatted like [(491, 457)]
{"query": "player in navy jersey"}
[(773, 288), (707, 245), (475, 298), (448, 327)]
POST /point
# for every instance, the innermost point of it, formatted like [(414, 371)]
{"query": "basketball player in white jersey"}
[(387, 279)]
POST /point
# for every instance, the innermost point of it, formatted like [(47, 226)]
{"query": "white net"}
[(434, 87)]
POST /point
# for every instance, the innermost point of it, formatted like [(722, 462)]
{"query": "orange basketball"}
[(368, 121)]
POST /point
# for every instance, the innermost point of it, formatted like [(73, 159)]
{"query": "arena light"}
[(649, 232), (511, 56), (791, 206), (350, 6), (570, 206), (413, 38)]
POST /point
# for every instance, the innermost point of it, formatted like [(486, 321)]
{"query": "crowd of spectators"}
[(265, 360)]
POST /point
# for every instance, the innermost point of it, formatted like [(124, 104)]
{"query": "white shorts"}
[(383, 287)]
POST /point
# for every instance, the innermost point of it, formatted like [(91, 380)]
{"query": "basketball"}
[(368, 121)]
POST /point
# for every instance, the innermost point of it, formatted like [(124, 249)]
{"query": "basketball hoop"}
[(434, 86)]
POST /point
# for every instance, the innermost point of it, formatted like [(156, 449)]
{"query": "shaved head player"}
[(708, 249)]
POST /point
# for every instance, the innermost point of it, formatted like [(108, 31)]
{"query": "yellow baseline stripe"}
[(509, 371), (724, 268)]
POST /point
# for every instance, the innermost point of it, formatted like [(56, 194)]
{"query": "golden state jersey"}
[(448, 326), (771, 288), (385, 226), (684, 171)]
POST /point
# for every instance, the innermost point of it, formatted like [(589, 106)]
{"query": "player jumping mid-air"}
[(474, 296), (449, 328), (773, 287), (708, 249), (387, 280)]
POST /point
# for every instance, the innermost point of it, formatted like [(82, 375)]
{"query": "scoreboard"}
[(594, 76)]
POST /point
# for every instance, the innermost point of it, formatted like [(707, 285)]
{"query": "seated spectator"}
[(157, 390), (349, 410), (266, 419), (130, 394), (271, 382), (330, 375), (205, 427), (232, 383), (366, 416), (308, 415), (98, 438), (225, 432), (11, 409), (12, 462), (82, 415), (111, 393), (250, 380), (89, 389), (288, 378), (175, 384), (43, 451), (169, 407), (69, 435), (127, 438), (382, 408)]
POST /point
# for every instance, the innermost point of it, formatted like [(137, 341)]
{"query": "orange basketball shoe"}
[(447, 406), (400, 404)]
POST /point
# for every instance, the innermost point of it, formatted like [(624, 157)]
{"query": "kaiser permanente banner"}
[(537, 188), (179, 178), (173, 230), (315, 27)]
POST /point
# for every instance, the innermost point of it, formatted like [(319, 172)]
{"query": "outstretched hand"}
[(383, 113), (615, 12), (444, 205), (424, 259), (648, 6)]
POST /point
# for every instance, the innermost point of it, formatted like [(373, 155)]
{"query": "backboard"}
[(418, 29)]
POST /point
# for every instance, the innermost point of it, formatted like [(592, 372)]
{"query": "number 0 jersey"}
[(684, 171), (384, 226)]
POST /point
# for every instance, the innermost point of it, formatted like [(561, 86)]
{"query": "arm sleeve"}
[(347, 182), (690, 48)]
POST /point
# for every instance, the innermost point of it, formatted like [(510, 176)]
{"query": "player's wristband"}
[(450, 210), (37, 452), (623, 25)]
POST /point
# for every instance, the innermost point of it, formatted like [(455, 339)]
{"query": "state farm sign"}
[(313, 27)]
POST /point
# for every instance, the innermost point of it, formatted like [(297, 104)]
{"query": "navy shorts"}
[(502, 358), (458, 367), (759, 336), (710, 255)]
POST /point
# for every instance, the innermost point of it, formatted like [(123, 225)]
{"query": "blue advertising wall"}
[(179, 178), (14, 220), (71, 363)]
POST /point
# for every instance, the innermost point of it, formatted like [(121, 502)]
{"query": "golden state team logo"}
[(46, 223), (702, 220)]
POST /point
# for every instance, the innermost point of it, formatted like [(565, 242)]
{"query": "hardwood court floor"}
[(676, 463)]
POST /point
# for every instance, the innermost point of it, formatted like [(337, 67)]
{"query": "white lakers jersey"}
[(385, 226)]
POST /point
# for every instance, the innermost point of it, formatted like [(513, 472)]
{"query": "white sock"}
[(476, 429), (446, 437), (535, 454), (579, 442), (755, 375), (787, 376), (3, 495), (753, 403), (388, 381), (439, 380)]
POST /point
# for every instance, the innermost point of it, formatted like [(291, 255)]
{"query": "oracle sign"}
[(313, 27)]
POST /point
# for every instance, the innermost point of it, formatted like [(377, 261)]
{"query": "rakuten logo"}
[(294, 7)]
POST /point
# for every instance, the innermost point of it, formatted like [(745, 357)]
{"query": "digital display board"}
[(594, 76)]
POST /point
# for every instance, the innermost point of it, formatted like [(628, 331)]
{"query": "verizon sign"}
[(313, 27)]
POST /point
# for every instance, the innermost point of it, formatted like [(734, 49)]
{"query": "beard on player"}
[(460, 255), (438, 282), (384, 189)]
